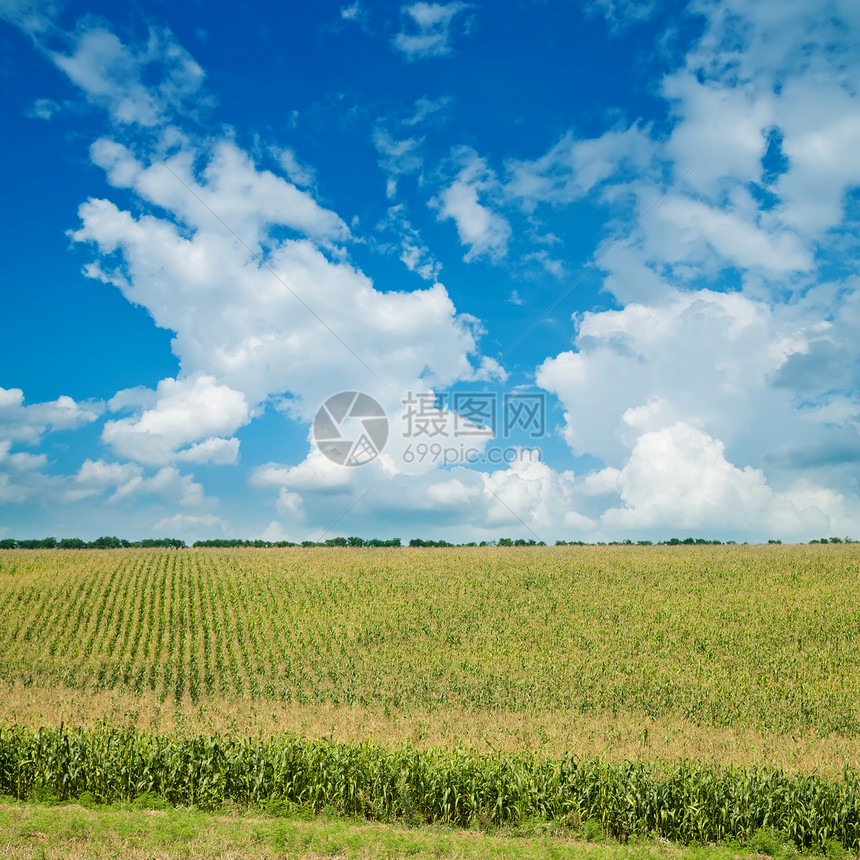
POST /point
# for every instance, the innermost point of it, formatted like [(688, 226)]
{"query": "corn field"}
[(683, 802), (752, 637), (761, 641)]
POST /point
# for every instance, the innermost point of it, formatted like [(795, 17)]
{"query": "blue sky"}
[(596, 263)]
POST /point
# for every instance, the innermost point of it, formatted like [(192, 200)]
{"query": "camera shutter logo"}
[(351, 428)]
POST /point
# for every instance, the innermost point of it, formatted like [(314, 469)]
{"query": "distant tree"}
[(107, 543), (689, 542), (36, 543), (149, 543)]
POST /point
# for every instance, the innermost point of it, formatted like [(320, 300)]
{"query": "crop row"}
[(682, 802), (766, 638)]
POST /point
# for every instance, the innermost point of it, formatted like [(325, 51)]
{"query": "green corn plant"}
[(683, 802)]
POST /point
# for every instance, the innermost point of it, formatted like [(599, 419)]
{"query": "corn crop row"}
[(683, 802), (761, 638)]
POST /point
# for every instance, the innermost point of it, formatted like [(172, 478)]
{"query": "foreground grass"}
[(30, 830)]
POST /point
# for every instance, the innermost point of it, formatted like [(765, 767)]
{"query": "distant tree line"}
[(228, 542), (176, 543), (98, 543), (336, 541)]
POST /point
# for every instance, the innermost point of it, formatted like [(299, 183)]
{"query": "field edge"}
[(69, 830)]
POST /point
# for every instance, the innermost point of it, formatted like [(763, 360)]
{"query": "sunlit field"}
[(730, 654), (692, 694)]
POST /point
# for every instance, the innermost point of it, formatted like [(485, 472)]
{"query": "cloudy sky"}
[(594, 261)]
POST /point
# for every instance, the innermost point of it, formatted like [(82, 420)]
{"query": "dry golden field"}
[(728, 654)]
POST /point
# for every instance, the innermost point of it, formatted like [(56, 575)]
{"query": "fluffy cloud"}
[(721, 129), (112, 74), (705, 380), (820, 129), (316, 473), (190, 526), (769, 81), (20, 423), (526, 499), (574, 166), (169, 483), (533, 495), (298, 173), (762, 119), (188, 421), (258, 315), (258, 328), (429, 30), (731, 410), (230, 185), (25, 480), (680, 476), (100, 474), (21, 477), (720, 361), (481, 229), (692, 230), (20, 462)]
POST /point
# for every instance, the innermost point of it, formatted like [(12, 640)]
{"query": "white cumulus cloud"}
[(480, 228), (28, 423), (188, 421), (680, 476)]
